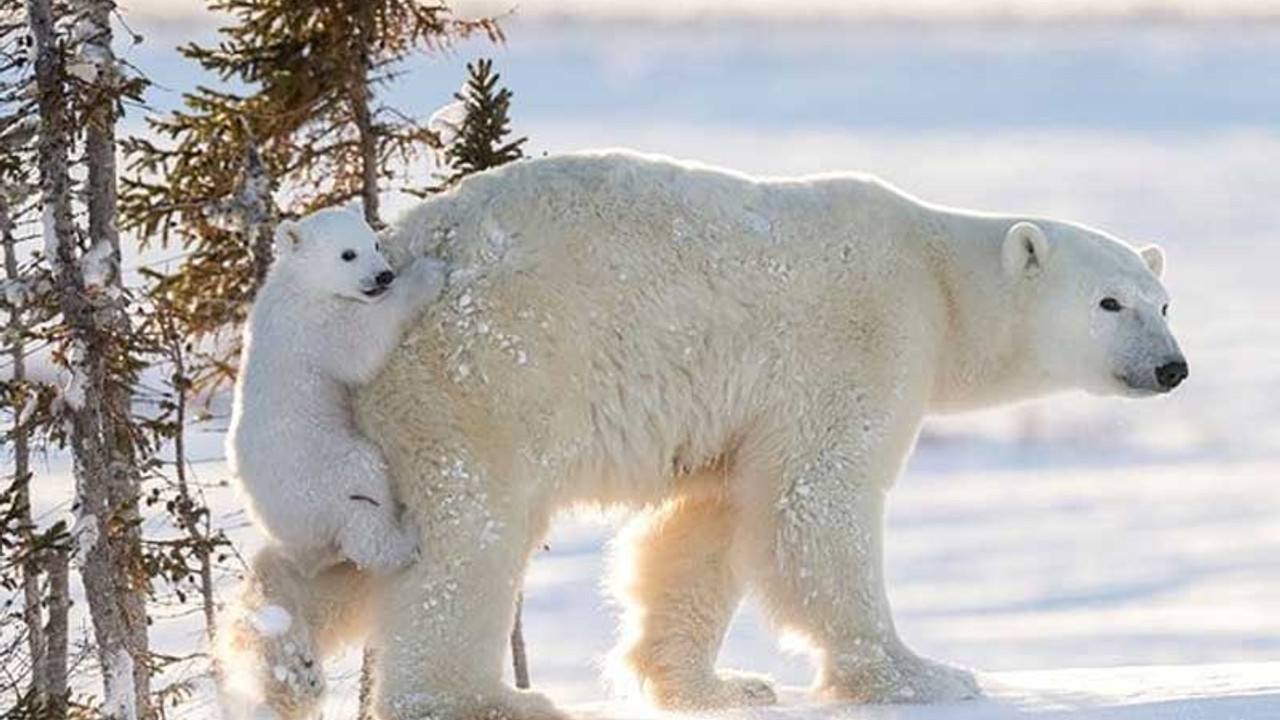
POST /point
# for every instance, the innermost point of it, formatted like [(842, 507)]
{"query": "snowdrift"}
[(1248, 691)]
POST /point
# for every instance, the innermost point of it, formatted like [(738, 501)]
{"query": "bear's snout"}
[(1171, 374), (385, 278)]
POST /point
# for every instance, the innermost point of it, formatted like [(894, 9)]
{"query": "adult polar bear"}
[(748, 362)]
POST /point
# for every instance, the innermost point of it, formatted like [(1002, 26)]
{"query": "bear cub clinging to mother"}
[(330, 312)]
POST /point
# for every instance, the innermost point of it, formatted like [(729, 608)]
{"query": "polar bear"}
[(325, 320), (744, 362)]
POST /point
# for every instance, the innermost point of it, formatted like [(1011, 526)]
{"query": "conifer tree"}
[(309, 125), (478, 141), (34, 560), (79, 89)]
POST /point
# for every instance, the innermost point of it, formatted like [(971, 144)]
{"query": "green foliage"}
[(481, 141), (307, 116)]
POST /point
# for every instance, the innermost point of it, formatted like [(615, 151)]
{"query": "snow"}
[(49, 230), (120, 700), (447, 122), (83, 71), (96, 265), (74, 388), (15, 292), (272, 621), (86, 535), (1244, 690)]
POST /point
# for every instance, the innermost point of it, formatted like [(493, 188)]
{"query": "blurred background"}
[(1070, 532)]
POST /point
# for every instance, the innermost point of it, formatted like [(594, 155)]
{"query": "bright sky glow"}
[(194, 10)]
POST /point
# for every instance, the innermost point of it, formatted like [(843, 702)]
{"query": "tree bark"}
[(97, 400), (367, 134), (55, 632), (33, 602), (519, 656), (259, 210)]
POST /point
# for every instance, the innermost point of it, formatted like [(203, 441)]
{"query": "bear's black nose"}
[(385, 277), (1171, 374)]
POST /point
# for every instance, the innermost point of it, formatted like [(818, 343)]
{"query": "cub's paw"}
[(270, 668), (295, 681), (897, 676), (377, 543)]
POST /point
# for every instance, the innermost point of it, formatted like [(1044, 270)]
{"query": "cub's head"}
[(1098, 311), (334, 252)]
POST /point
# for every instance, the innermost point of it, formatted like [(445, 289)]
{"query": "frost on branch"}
[(446, 122)]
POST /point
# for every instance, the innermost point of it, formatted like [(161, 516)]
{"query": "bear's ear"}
[(288, 236), (1153, 256), (1025, 250), (355, 206)]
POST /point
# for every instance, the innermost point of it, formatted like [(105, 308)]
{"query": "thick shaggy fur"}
[(746, 361), (321, 326), (274, 638)]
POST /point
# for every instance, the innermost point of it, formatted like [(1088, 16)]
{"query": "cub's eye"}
[(348, 255), (1110, 304), (1165, 310)]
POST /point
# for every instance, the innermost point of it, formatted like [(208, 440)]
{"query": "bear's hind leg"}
[(680, 592), (273, 641)]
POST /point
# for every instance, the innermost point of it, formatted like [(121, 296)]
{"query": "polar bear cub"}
[(329, 313)]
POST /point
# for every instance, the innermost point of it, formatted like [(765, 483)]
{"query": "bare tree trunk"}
[(258, 208), (190, 516), (33, 602), (102, 441), (368, 661), (368, 155), (519, 657), (56, 632), (111, 567), (359, 98)]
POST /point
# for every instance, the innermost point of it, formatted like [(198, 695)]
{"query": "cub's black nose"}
[(1171, 374), (385, 277)]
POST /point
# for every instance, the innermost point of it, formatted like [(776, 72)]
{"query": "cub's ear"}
[(1025, 250), (1153, 256), (288, 236)]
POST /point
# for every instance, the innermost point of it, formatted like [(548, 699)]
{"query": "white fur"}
[(745, 361), (312, 483)]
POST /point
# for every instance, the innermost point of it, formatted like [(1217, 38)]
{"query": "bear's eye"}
[(348, 255), (1110, 304), (1165, 310)]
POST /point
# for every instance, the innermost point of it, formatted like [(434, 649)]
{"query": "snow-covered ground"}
[(1240, 691), (1075, 532)]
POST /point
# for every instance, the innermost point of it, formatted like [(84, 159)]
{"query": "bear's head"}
[(334, 252), (1098, 315)]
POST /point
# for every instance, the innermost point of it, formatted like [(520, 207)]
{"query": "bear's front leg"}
[(816, 543), (444, 622)]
